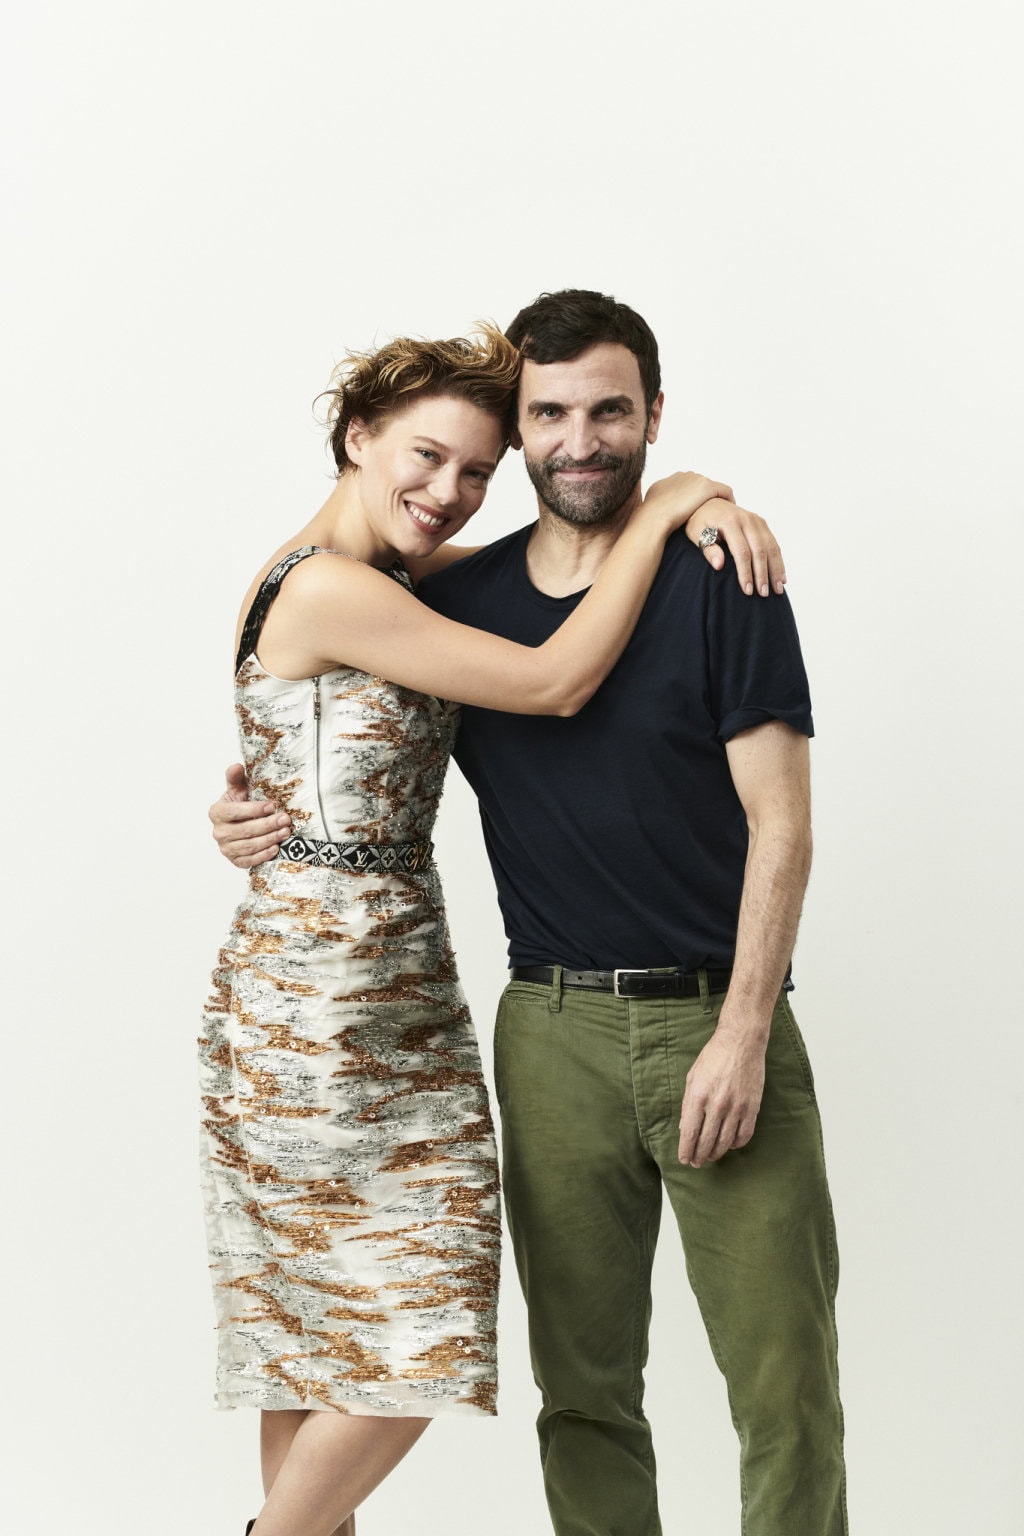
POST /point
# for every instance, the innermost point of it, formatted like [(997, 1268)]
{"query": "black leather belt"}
[(663, 982)]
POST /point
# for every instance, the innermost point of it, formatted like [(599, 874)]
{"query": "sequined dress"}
[(349, 1171)]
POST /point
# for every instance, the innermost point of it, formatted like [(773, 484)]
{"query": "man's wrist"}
[(745, 1022)]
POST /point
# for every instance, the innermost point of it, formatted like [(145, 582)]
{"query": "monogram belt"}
[(360, 858)]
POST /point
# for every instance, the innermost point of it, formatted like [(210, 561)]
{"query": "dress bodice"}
[(349, 756)]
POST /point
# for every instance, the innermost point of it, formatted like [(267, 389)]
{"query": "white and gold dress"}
[(349, 1169)]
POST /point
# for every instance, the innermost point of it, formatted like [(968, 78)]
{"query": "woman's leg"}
[(278, 1429), (331, 1464)]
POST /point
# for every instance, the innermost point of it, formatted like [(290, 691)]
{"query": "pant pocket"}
[(795, 1041)]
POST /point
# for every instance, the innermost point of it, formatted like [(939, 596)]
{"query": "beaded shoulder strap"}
[(271, 585)]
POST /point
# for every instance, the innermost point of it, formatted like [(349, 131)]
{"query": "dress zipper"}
[(316, 756)]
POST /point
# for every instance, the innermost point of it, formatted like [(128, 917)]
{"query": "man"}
[(651, 855)]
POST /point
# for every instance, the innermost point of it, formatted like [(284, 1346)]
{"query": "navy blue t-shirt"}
[(616, 836)]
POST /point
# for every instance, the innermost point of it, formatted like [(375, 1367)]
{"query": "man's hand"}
[(753, 546), (770, 769), (723, 1095), (247, 831)]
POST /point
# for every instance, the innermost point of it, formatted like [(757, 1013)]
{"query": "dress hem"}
[(225, 1402)]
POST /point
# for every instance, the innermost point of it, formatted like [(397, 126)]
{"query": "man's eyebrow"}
[(626, 403), (420, 437), (623, 402)]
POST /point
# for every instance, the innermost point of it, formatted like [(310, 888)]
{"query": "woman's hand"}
[(676, 498), (753, 546)]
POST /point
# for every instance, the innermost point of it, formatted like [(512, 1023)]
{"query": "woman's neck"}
[(342, 523)]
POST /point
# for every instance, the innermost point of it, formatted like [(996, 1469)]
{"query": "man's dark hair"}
[(557, 327)]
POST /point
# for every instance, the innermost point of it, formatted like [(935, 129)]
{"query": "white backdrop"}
[(817, 209)]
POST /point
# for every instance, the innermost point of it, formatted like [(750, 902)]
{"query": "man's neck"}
[(563, 557)]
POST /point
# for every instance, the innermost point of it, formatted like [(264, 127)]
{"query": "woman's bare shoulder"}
[(320, 576)]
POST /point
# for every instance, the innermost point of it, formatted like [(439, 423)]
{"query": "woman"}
[(350, 1177)]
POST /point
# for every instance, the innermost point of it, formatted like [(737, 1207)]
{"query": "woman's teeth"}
[(424, 518)]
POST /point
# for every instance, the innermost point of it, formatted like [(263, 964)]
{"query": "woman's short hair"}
[(482, 368)]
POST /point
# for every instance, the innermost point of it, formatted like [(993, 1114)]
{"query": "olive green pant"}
[(590, 1087)]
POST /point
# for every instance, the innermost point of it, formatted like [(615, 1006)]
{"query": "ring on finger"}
[(708, 536)]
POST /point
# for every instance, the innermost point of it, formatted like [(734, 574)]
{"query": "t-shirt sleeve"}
[(755, 668)]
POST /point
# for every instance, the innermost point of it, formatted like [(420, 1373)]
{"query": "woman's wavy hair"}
[(371, 386)]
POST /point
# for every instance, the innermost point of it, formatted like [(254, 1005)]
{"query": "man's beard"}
[(582, 503)]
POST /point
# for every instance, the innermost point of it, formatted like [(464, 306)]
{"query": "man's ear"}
[(654, 422), (355, 439), (514, 439)]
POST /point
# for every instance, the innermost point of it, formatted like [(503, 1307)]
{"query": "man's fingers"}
[(720, 1103), (245, 840), (691, 1122), (247, 847), (250, 860), (726, 1139), (254, 859), (710, 1139), (237, 784), (232, 842), (244, 852), (744, 1131), (720, 1131), (231, 813)]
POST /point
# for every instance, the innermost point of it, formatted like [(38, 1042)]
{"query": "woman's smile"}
[(425, 517)]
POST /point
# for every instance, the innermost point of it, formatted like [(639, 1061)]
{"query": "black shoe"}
[(249, 1527)]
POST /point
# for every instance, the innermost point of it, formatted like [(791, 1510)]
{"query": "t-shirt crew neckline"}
[(543, 599)]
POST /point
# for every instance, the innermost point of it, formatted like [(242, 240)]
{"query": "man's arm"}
[(770, 767)]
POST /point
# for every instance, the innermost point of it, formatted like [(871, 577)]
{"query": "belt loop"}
[(705, 991), (555, 995)]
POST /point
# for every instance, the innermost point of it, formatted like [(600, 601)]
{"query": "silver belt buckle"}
[(625, 971)]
